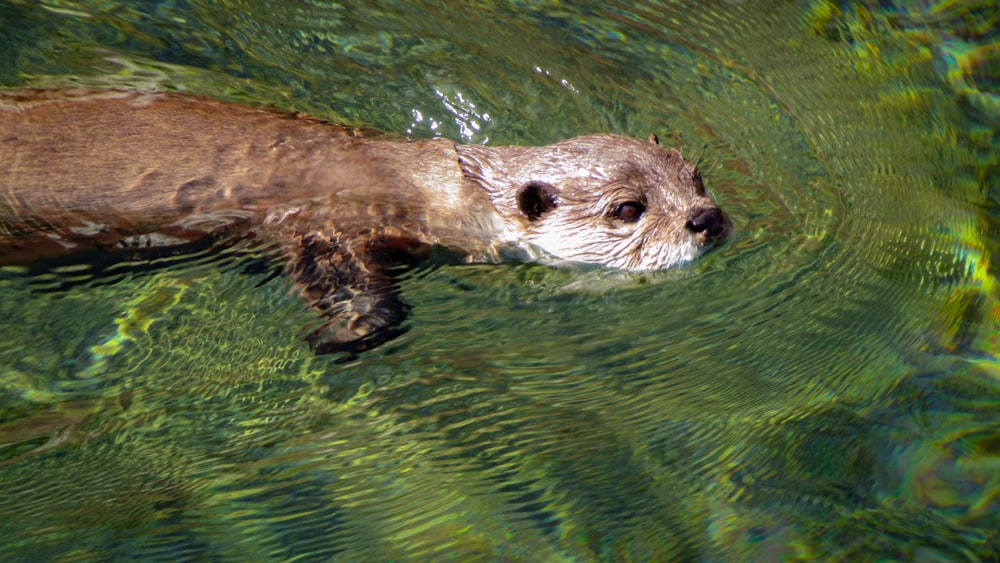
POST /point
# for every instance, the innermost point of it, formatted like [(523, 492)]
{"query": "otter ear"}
[(536, 199), (654, 139)]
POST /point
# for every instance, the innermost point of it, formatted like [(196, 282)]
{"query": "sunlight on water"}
[(825, 386)]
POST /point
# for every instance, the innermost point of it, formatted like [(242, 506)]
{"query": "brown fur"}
[(84, 170)]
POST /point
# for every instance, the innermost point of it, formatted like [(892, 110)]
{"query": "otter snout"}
[(710, 223)]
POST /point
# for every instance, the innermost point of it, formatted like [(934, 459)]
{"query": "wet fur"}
[(110, 170)]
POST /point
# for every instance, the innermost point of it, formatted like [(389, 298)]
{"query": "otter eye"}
[(630, 211)]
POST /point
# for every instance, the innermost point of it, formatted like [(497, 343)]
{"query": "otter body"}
[(112, 171)]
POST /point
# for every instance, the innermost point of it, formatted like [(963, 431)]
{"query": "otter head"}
[(602, 199)]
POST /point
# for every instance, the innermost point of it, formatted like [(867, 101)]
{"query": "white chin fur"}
[(579, 249)]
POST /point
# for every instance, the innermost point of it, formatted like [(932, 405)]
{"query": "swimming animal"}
[(122, 173)]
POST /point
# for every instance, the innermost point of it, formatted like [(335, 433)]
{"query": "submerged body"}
[(112, 170)]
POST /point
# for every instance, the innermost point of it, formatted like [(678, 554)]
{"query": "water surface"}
[(825, 386)]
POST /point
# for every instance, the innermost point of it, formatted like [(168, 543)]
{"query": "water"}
[(825, 386)]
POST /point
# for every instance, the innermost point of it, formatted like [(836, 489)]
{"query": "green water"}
[(826, 386)]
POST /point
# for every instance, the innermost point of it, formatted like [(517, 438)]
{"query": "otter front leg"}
[(349, 283)]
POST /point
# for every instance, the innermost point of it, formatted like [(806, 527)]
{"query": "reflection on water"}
[(825, 386)]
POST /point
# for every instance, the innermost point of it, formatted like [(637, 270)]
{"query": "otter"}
[(127, 172)]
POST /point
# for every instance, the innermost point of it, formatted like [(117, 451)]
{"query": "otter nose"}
[(708, 220)]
